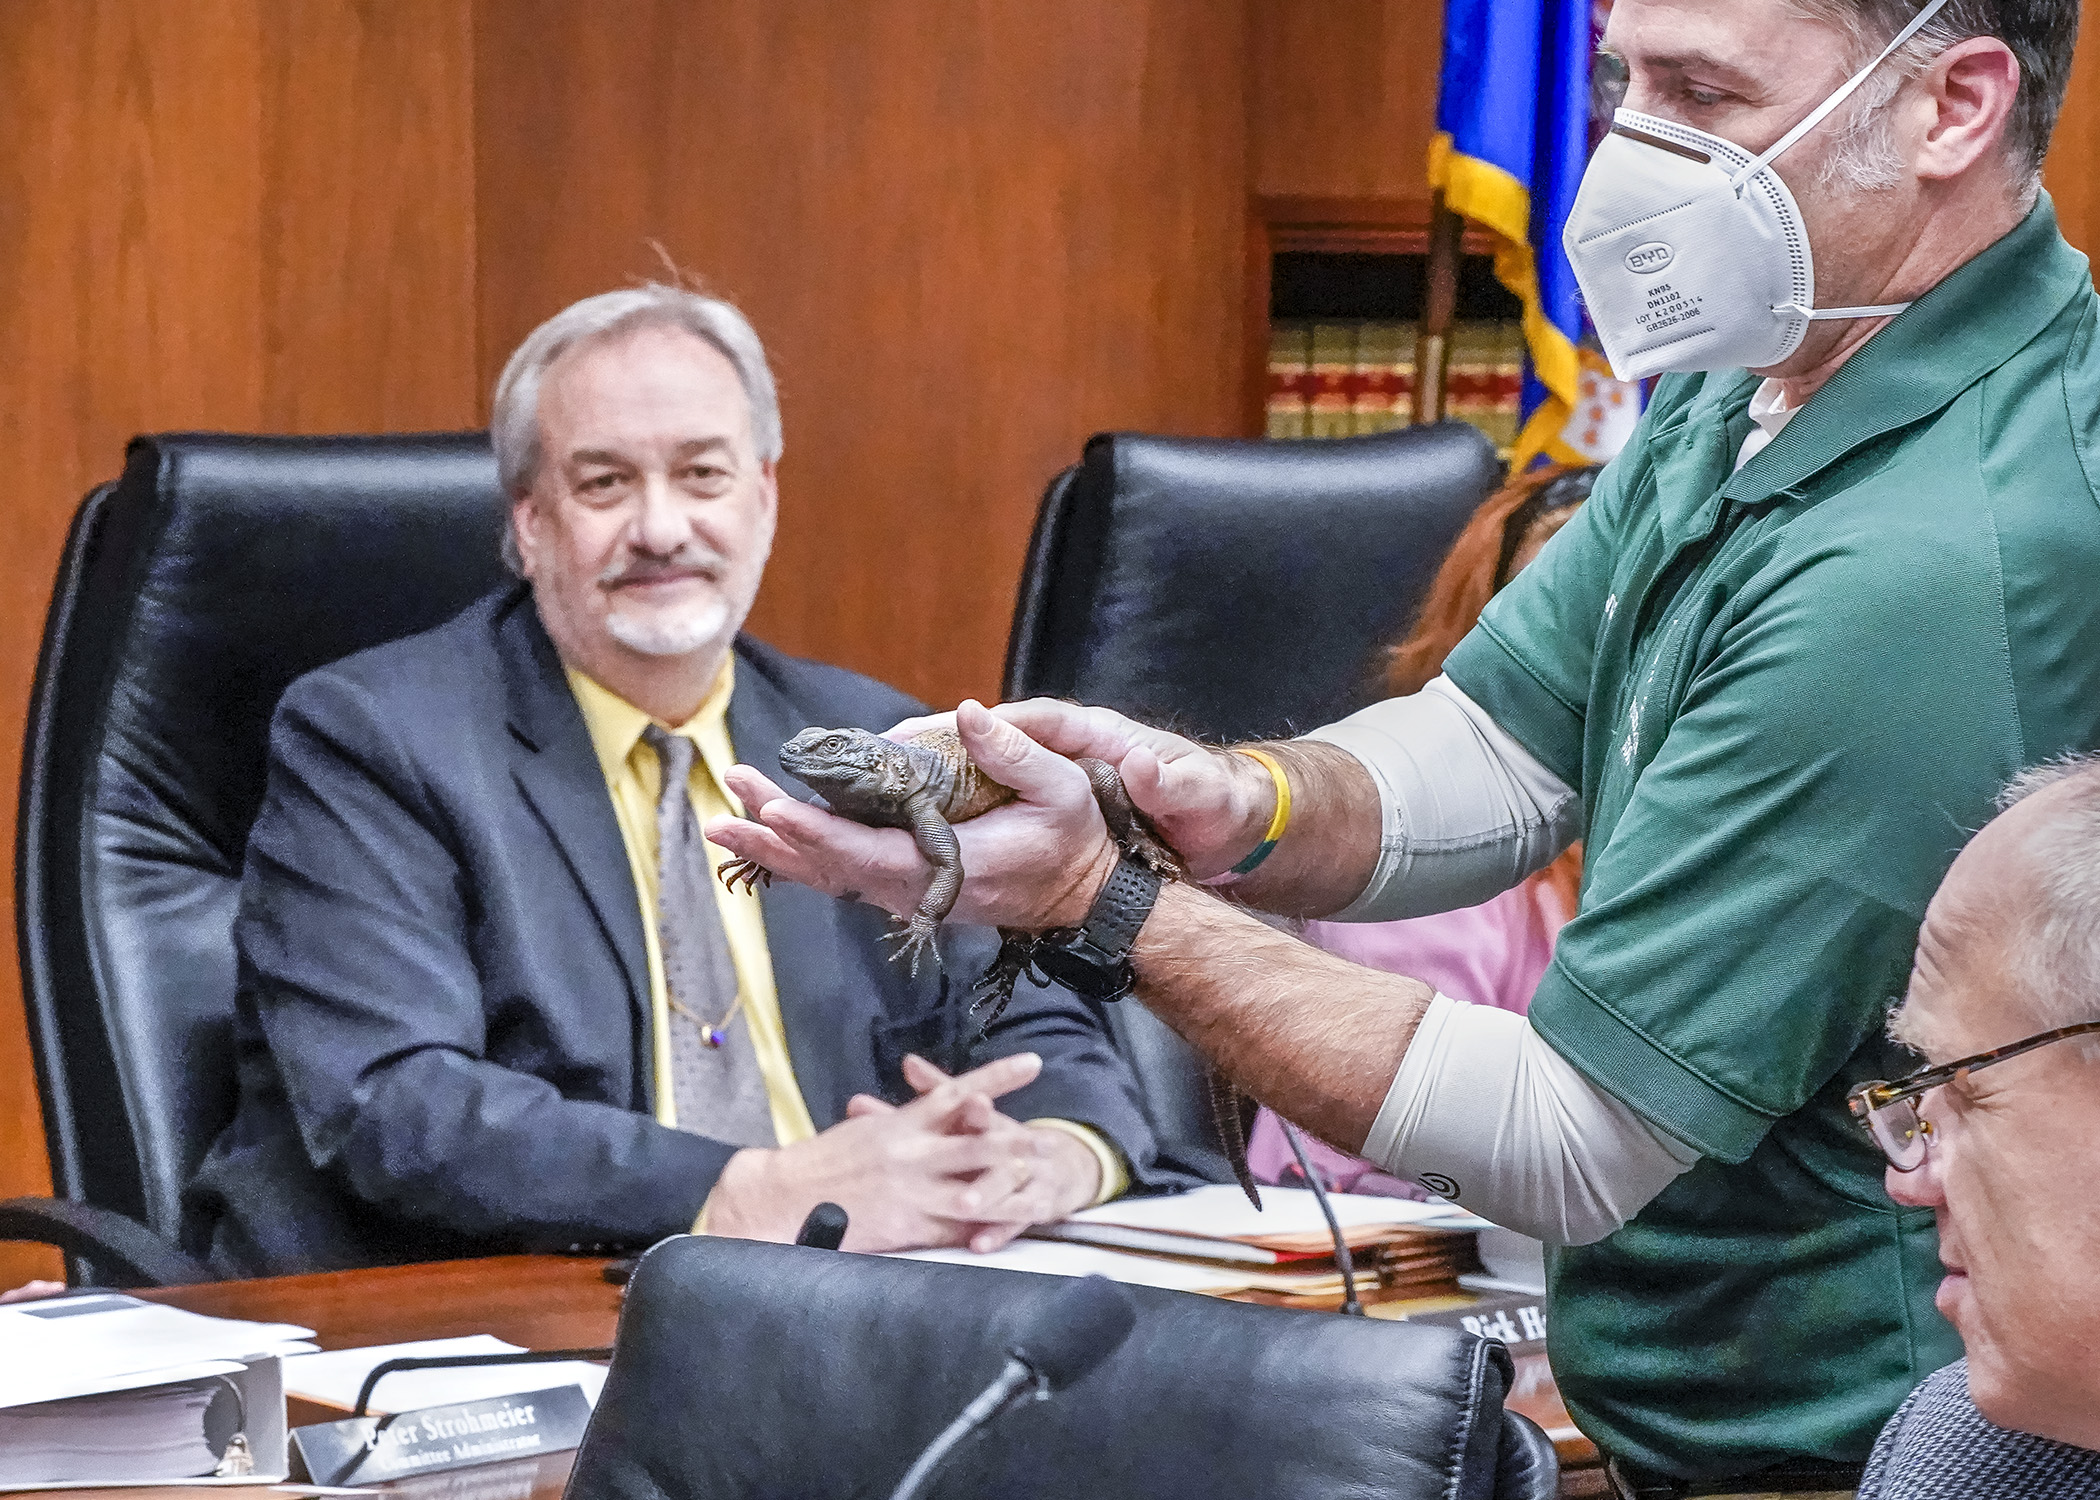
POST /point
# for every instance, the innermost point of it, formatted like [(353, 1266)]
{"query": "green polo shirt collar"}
[(1953, 336), (1957, 333), (1703, 437)]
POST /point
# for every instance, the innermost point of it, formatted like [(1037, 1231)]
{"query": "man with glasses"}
[(2008, 967)]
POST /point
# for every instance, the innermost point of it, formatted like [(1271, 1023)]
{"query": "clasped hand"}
[(1038, 861), (945, 1169)]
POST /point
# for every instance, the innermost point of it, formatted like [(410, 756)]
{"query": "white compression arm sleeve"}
[(1484, 1112), (1467, 811)]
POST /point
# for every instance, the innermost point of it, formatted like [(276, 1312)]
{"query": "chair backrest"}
[(1233, 590), (750, 1369), (192, 591)]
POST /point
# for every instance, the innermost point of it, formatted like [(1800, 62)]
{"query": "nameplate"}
[(360, 1450), (1518, 1319)]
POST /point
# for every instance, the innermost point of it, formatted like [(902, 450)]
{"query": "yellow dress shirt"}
[(635, 778)]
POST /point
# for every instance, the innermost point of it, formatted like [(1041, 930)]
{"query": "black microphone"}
[(1075, 1331), (824, 1228), (1344, 1258)]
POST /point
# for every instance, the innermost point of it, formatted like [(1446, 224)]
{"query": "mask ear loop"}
[(1816, 117), (1822, 111)]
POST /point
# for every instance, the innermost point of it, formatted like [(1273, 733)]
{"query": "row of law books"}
[(1330, 379)]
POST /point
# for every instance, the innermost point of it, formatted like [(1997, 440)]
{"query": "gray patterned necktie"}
[(716, 1085)]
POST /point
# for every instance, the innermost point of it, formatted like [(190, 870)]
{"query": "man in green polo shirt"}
[(1807, 625)]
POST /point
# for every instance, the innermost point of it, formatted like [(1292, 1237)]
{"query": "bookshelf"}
[(1338, 295)]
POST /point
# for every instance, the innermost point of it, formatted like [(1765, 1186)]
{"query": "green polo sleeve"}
[(1540, 688), (1749, 915)]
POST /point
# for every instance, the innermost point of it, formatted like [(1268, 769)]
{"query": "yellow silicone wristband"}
[(1278, 821)]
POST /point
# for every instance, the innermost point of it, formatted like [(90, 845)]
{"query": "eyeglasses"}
[(1609, 81), (1889, 1111)]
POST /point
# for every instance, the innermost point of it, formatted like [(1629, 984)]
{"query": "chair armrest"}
[(122, 1247), (1526, 1466)]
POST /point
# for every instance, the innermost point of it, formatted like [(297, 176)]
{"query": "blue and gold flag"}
[(1513, 124)]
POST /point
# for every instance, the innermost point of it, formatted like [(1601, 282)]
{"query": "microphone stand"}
[(1344, 1258), (1068, 1338), (1012, 1384), (384, 1368)]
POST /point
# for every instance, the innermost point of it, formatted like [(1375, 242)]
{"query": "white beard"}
[(674, 635)]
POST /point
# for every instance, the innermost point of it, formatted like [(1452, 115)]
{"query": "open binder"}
[(102, 1438), (100, 1388)]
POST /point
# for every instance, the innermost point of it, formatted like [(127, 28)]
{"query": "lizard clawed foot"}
[(749, 871), (996, 987), (1156, 857), (1130, 828), (914, 936)]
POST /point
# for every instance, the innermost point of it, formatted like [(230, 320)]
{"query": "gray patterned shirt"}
[(1938, 1446)]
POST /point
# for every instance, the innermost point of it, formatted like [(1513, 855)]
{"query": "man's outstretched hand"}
[(1038, 861)]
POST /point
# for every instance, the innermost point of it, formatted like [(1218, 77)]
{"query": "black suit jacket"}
[(443, 1018)]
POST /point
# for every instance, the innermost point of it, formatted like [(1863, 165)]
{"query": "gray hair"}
[(514, 423), (2057, 961), (2041, 33)]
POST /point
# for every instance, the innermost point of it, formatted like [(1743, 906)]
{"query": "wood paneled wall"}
[(2073, 171), (1344, 97), (245, 214), (972, 232)]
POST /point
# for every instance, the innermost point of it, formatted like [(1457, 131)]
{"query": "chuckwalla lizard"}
[(927, 783)]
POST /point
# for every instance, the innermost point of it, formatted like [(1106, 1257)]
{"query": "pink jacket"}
[(1491, 954)]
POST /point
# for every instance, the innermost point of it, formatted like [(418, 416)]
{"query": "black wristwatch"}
[(1093, 960)]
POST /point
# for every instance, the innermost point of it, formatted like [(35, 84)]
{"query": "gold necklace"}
[(717, 1034)]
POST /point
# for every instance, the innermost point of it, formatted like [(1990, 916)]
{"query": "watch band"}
[(1119, 911)]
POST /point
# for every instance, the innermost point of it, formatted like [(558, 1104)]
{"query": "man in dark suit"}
[(491, 996)]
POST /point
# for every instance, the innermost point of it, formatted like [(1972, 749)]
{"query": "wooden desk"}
[(538, 1301)]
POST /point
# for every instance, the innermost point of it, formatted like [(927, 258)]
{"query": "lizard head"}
[(850, 766)]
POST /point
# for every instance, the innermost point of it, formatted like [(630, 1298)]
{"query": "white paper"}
[(118, 1437), (70, 1346), (1058, 1258), (1221, 1211), (334, 1377)]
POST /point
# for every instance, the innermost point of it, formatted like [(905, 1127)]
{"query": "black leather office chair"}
[(750, 1369), (1233, 590), (191, 593)]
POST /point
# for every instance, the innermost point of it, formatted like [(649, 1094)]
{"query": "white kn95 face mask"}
[(1690, 251)]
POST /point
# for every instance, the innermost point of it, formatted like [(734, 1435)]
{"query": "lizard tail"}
[(1140, 838), (1229, 1110)]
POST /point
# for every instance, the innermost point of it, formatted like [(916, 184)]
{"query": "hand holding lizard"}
[(1038, 861), (1034, 863)]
